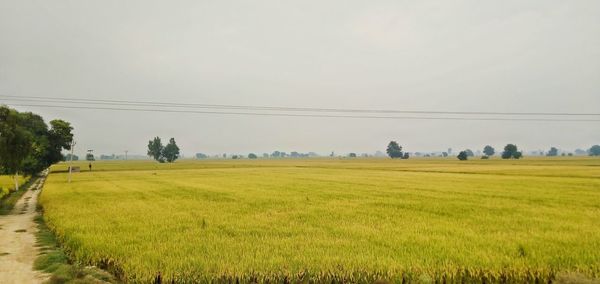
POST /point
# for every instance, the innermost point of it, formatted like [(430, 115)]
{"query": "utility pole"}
[(71, 159)]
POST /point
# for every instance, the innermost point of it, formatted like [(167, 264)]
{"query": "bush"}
[(484, 157), (463, 155)]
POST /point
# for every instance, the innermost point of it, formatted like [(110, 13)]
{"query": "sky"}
[(496, 56)]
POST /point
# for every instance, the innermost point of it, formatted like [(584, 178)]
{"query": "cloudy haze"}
[(500, 56)]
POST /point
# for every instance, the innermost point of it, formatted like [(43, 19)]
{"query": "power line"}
[(312, 115), (270, 108)]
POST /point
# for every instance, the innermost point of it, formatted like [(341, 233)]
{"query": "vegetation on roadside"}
[(354, 220), (28, 145), (8, 200)]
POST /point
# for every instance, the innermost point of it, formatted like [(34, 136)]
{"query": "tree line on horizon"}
[(171, 152)]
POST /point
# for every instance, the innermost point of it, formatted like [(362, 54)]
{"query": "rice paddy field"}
[(7, 184), (334, 220)]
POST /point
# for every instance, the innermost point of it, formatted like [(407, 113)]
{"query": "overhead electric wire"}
[(37, 99), (312, 115)]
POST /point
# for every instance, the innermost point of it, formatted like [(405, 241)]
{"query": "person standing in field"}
[(90, 166)]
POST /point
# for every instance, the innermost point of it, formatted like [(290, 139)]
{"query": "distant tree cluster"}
[(161, 153), (28, 145), (67, 157), (201, 156), (511, 152), (489, 151), (108, 157), (394, 151), (294, 154), (552, 152), (594, 150)]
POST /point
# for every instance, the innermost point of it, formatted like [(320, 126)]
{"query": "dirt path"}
[(17, 240)]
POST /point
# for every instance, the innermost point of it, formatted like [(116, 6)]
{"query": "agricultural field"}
[(351, 220), (7, 184)]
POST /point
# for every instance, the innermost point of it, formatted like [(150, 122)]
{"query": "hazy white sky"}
[(527, 56)]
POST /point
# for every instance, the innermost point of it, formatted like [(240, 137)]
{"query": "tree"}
[(594, 150), (463, 155), (201, 156), (90, 157), (252, 156), (405, 156), (489, 150), (352, 155), (553, 152), (444, 154), (511, 152), (276, 154), (15, 143), (171, 151), (518, 155), (59, 137), (469, 153), (155, 149), (394, 150)]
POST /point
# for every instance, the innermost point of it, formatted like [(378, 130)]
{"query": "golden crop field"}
[(7, 184), (314, 220)]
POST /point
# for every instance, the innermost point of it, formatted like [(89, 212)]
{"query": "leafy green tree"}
[(352, 155), (469, 153), (90, 157), (155, 149), (48, 144), (405, 156), (463, 155), (252, 156), (489, 150), (201, 156), (511, 152), (552, 152), (15, 143), (594, 150), (41, 146), (171, 151), (394, 150), (60, 137)]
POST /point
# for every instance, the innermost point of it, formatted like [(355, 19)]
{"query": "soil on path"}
[(18, 248)]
